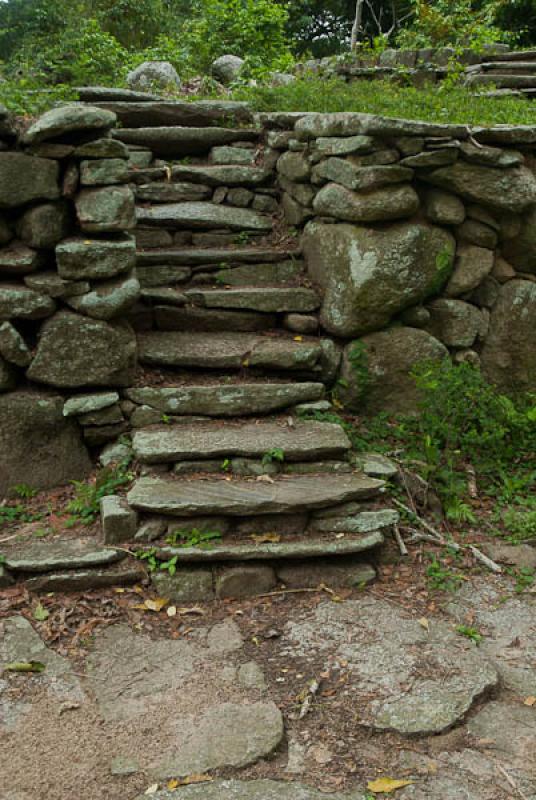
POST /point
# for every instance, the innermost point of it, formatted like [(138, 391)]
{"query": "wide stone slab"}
[(203, 216), (62, 554), (266, 299), (172, 318), (227, 351), (182, 141), (252, 790), (19, 302), (68, 119), (217, 257), (385, 649), (228, 175), (309, 548), (248, 498), (313, 126), (138, 110), (172, 192), (226, 401), (304, 441)]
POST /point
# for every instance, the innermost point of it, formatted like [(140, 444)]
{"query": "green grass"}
[(434, 103)]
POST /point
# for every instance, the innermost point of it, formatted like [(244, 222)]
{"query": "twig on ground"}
[(488, 562), (310, 694), (512, 782), (400, 541)]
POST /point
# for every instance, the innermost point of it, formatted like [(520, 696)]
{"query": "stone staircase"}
[(236, 486), (514, 73)]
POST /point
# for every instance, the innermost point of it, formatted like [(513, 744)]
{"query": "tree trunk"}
[(356, 27)]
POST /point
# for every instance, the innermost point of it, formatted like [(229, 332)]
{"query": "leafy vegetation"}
[(193, 538), (470, 633), (85, 505)]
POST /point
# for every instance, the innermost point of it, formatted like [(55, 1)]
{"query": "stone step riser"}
[(176, 142)]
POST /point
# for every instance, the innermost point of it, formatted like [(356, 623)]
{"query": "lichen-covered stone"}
[(443, 207), (387, 203), (520, 251), (40, 448), (18, 259), (367, 276), (509, 355), (25, 179), (81, 258), (376, 370), (472, 265), (227, 68), (75, 351), (103, 171), (502, 189), (44, 225), (453, 322), (19, 302), (109, 299), (13, 347), (69, 119), (110, 209)]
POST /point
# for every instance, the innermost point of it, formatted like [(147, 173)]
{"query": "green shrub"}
[(452, 22)]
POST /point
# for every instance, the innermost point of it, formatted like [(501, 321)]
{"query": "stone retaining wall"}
[(421, 238)]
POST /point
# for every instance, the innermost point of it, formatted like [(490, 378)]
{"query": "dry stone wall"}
[(415, 242), (420, 238)]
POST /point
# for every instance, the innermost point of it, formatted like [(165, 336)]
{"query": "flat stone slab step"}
[(203, 215), (181, 498), (242, 399), (81, 580), (227, 351), (267, 299), (181, 141), (99, 95), (150, 111), (305, 441), (46, 556), (217, 257), (308, 548)]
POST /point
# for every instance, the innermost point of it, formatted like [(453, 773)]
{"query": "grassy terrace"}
[(431, 104)]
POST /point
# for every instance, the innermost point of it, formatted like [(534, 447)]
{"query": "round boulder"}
[(154, 74), (376, 370), (227, 68)]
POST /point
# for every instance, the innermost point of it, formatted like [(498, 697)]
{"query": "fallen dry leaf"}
[(423, 622), (263, 538), (386, 785), (152, 604), (194, 778), (530, 701)]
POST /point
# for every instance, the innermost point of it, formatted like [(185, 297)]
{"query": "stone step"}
[(151, 111), (304, 441), (227, 351), (208, 175), (519, 55), (243, 498), (172, 318), (177, 141), (503, 81), (218, 258), (204, 216), (310, 547), (267, 299), (220, 400), (99, 95), (501, 67), (49, 556)]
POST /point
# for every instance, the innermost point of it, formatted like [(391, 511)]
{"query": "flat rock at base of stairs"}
[(226, 400), (46, 556), (268, 299), (242, 498), (227, 351), (252, 790), (308, 548), (150, 111), (304, 441), (203, 215), (217, 257), (78, 580), (179, 141)]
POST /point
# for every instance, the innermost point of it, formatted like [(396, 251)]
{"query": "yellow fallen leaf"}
[(152, 604), (173, 784), (336, 403), (194, 778), (386, 785), (423, 622), (263, 538), (171, 611), (530, 701), (298, 338)]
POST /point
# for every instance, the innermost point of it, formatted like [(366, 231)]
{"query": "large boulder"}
[(25, 179), (227, 68), (154, 74), (509, 354), (367, 276), (75, 351), (502, 189), (376, 370), (40, 447), (67, 120)]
